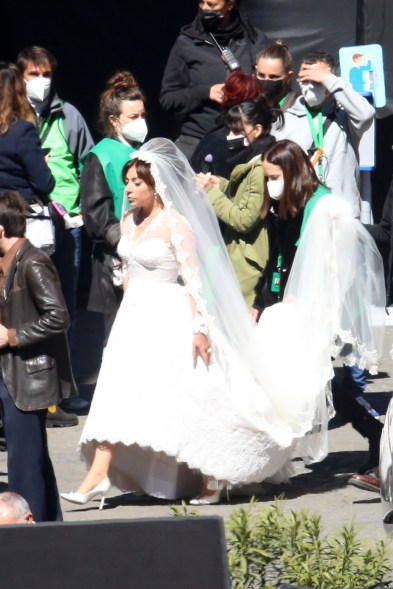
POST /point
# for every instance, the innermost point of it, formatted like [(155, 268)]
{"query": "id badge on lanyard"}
[(317, 135)]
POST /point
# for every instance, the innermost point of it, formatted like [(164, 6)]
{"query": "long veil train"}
[(334, 303)]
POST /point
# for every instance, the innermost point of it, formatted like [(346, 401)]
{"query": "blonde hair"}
[(13, 99)]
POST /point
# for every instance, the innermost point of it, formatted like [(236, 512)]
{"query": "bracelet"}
[(199, 326)]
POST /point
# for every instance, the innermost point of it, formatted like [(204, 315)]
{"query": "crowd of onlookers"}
[(264, 153)]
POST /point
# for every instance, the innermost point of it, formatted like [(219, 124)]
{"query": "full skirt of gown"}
[(172, 418)]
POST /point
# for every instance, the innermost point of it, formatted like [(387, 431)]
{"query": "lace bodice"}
[(163, 252), (149, 259)]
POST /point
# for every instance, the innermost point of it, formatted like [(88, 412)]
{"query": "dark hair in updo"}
[(143, 171), (121, 86), (253, 112)]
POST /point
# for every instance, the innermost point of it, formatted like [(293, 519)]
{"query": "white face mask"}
[(275, 188), (314, 94), (135, 130), (38, 88)]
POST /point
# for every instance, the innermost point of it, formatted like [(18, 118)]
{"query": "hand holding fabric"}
[(206, 181)]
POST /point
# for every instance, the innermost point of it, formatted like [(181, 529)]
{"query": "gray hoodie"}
[(353, 115)]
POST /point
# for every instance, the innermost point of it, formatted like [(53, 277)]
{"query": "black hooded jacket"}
[(383, 234), (195, 64)]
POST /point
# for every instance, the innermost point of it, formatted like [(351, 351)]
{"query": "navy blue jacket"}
[(22, 164)]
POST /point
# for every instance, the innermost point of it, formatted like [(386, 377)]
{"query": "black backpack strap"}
[(46, 132)]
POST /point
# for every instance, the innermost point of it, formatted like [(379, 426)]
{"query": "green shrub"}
[(269, 547)]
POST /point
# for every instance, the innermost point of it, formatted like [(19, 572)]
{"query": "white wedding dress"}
[(264, 398), (171, 418)]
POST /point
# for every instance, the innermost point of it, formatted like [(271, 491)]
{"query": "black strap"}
[(46, 132), (328, 121), (227, 55), (289, 101)]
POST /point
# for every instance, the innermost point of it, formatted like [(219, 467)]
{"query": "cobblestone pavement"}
[(319, 487)]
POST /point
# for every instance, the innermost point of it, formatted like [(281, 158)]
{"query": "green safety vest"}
[(113, 156), (61, 163)]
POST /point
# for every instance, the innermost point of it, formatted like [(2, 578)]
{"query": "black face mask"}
[(273, 88), (211, 19), (236, 144)]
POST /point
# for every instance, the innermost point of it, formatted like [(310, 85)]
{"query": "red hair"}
[(240, 87)]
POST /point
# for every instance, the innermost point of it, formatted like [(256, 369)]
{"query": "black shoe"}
[(56, 417), (74, 404)]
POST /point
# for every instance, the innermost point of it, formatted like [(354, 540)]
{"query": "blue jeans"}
[(67, 258), (355, 379)]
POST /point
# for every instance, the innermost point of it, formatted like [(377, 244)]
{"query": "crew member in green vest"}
[(65, 135), (122, 118)]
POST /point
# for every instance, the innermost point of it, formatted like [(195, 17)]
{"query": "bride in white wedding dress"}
[(180, 402), (175, 399)]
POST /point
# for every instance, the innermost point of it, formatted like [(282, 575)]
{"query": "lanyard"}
[(276, 278), (317, 136)]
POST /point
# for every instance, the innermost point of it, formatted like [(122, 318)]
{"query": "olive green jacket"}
[(237, 204)]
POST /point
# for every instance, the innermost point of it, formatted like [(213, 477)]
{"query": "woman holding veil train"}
[(179, 406)]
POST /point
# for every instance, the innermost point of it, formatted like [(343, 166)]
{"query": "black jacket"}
[(224, 160), (103, 228), (283, 235), (37, 370), (195, 64), (383, 235), (22, 164)]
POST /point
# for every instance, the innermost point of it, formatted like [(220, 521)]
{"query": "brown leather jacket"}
[(36, 366)]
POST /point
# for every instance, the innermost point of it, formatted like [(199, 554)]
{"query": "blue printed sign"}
[(362, 68)]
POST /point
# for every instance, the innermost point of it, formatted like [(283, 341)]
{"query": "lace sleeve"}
[(184, 245)]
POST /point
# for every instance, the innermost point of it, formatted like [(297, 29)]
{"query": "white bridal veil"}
[(334, 296), (221, 300), (334, 304)]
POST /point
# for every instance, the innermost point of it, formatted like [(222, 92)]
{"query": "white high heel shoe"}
[(81, 499), (207, 499)]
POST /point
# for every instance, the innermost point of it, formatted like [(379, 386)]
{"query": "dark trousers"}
[(67, 259), (30, 470), (368, 426)]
